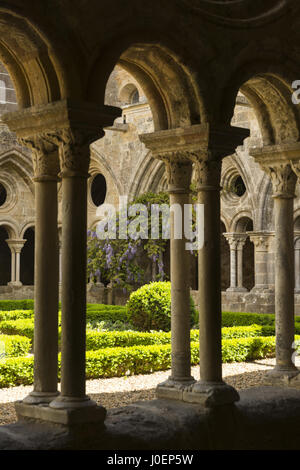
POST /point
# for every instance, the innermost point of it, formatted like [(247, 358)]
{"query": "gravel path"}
[(121, 391)]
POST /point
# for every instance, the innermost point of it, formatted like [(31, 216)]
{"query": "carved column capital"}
[(283, 179), (281, 163), (179, 170), (261, 240), (205, 145), (68, 125), (74, 151), (236, 241), (207, 173), (44, 156), (15, 244)]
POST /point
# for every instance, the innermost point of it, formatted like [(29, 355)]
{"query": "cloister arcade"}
[(60, 63)]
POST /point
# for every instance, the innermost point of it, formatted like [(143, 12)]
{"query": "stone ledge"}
[(67, 417), (264, 418)]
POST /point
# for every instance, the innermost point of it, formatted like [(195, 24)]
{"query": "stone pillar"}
[(74, 159), (171, 147), (71, 127), (46, 168), (236, 242), (15, 246), (261, 242), (297, 262), (179, 178), (273, 160)]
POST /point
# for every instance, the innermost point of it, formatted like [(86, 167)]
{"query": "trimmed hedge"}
[(23, 327), (244, 319), (110, 339), (120, 361), (26, 304), (15, 314), (14, 346)]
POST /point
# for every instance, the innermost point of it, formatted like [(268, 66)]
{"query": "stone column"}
[(297, 262), (171, 147), (273, 160), (71, 126), (46, 168), (74, 160), (261, 242), (15, 246), (236, 242), (179, 177)]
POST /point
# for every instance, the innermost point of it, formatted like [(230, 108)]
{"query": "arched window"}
[(135, 97), (3, 195), (129, 94), (2, 92), (98, 189)]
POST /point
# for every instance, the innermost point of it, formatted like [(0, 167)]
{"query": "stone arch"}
[(264, 218), (35, 80), (237, 225), (29, 224), (267, 84), (127, 94), (149, 177), (155, 67), (10, 226)]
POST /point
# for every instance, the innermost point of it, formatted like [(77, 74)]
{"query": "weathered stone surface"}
[(264, 418)]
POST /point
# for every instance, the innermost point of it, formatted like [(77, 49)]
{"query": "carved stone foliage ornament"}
[(178, 169), (74, 151), (44, 155), (283, 179), (207, 173)]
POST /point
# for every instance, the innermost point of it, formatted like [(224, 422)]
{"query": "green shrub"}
[(109, 315), (15, 314), (244, 319), (14, 346), (121, 361), (23, 327), (26, 304), (16, 371), (149, 307)]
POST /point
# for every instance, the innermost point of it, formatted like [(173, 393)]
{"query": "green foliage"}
[(23, 327), (243, 319), (14, 346), (26, 304), (149, 307), (15, 314), (16, 371), (115, 260)]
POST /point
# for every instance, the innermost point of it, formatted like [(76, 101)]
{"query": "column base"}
[(36, 398), (173, 389), (211, 394), (15, 284), (63, 402), (236, 289), (279, 377), (264, 289), (63, 416)]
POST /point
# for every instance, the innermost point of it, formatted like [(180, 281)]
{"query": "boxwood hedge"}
[(14, 346), (122, 361)]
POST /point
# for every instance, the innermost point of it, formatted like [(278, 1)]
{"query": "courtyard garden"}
[(132, 339)]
